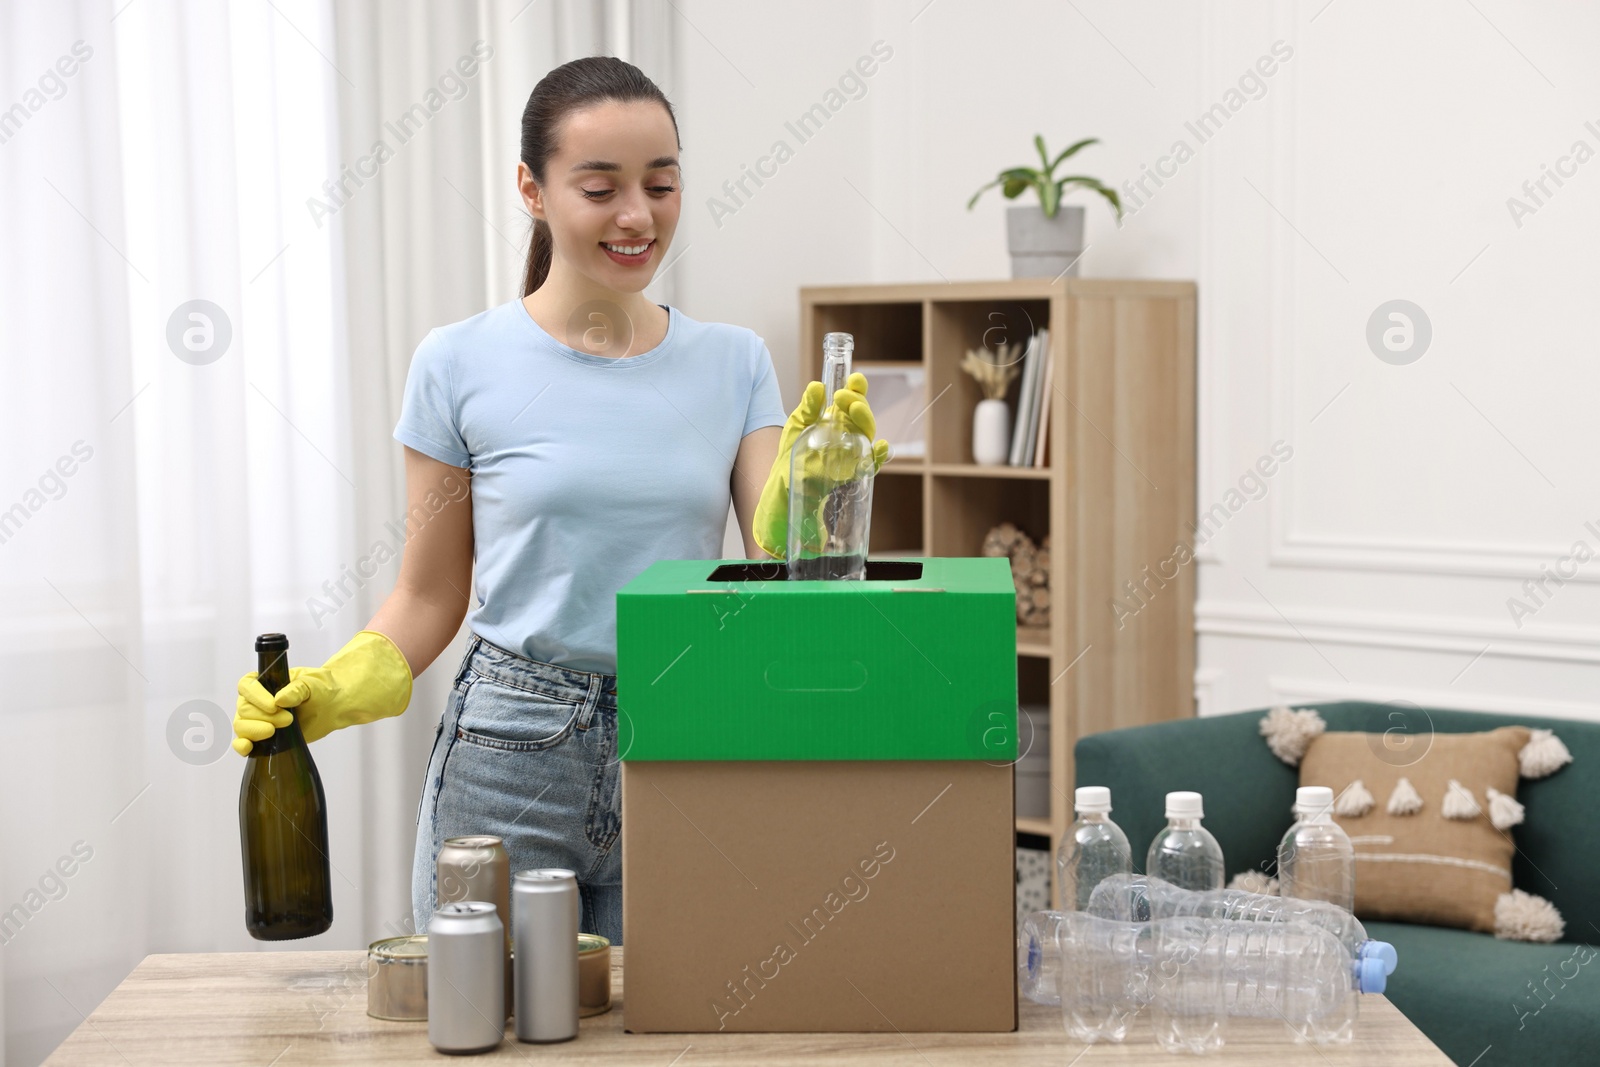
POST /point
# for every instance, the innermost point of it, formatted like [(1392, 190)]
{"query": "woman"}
[(600, 433)]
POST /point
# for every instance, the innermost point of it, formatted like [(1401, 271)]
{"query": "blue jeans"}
[(527, 751)]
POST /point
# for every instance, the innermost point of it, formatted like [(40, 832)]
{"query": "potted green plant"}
[(1046, 241)]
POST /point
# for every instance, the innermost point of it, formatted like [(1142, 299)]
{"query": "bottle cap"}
[(1313, 800), (1185, 805), (1092, 798), (272, 643), (1383, 952), (1370, 975)]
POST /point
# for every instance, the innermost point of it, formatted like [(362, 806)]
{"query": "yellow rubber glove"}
[(367, 679), (771, 521)]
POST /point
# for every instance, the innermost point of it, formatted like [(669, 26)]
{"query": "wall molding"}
[(1210, 690), (1393, 630), (1454, 559)]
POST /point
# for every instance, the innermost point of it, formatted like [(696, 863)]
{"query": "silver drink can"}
[(466, 977), (476, 867), (544, 908)]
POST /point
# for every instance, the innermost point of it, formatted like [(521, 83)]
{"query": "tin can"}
[(544, 906), (476, 867), (594, 975), (466, 991), (397, 978)]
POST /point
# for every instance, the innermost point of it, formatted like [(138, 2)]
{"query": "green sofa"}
[(1484, 1001)]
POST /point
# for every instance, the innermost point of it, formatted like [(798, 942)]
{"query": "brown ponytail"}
[(570, 87)]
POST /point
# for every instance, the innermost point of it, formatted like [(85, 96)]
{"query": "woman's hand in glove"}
[(771, 521), (367, 679)]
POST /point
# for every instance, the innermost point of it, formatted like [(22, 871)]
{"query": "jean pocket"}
[(604, 821), (506, 717)]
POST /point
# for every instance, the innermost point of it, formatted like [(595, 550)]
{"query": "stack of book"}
[(1031, 429)]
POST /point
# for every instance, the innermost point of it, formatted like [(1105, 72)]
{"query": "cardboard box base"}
[(818, 896)]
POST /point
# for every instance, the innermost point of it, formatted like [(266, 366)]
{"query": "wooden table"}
[(277, 1009)]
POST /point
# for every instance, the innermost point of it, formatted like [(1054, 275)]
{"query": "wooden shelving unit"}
[(1117, 493)]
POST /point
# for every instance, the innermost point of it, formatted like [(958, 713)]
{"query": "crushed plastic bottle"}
[(1138, 898), (1191, 973), (1038, 959)]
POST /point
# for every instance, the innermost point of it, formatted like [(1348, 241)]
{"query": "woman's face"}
[(612, 192)]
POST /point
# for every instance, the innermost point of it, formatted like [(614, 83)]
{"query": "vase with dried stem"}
[(994, 371)]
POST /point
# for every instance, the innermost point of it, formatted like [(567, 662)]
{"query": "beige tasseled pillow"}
[(1432, 832), (1419, 866)]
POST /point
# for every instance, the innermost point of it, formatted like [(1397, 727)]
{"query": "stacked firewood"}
[(1030, 570)]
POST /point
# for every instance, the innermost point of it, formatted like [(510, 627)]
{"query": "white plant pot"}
[(991, 432)]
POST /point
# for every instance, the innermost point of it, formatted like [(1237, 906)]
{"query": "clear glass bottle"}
[(1185, 853), (830, 484), (1094, 849), (1315, 858)]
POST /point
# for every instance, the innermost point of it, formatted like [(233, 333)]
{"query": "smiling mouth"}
[(635, 249)]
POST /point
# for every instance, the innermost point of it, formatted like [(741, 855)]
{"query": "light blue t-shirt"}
[(584, 469)]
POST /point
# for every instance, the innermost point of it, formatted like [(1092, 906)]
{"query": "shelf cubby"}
[(967, 508), (889, 332), (956, 327), (897, 507), (1117, 487)]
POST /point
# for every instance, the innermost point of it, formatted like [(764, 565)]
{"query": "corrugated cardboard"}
[(818, 896), (728, 660)]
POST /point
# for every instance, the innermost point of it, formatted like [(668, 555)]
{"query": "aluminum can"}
[(544, 906), (466, 979), (476, 867)]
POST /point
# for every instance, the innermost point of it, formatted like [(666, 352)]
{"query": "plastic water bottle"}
[(1039, 958), (1106, 972), (1289, 970), (1102, 972), (1094, 848), (1140, 897), (1137, 898), (1315, 858), (1191, 972), (1185, 853)]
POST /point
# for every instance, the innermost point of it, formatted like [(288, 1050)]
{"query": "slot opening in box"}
[(878, 570)]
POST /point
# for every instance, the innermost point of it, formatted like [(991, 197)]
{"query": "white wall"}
[(1374, 164), (1420, 496)]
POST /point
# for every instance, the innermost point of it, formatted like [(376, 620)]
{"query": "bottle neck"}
[(835, 373), (272, 671), (282, 740), (1094, 816), (1321, 815), (1183, 822)]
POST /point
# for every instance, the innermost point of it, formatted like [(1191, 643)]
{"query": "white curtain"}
[(205, 325)]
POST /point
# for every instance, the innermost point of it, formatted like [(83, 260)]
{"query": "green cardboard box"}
[(729, 660), (817, 790)]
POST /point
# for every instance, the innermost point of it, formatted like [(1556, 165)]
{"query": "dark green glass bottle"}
[(283, 823)]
